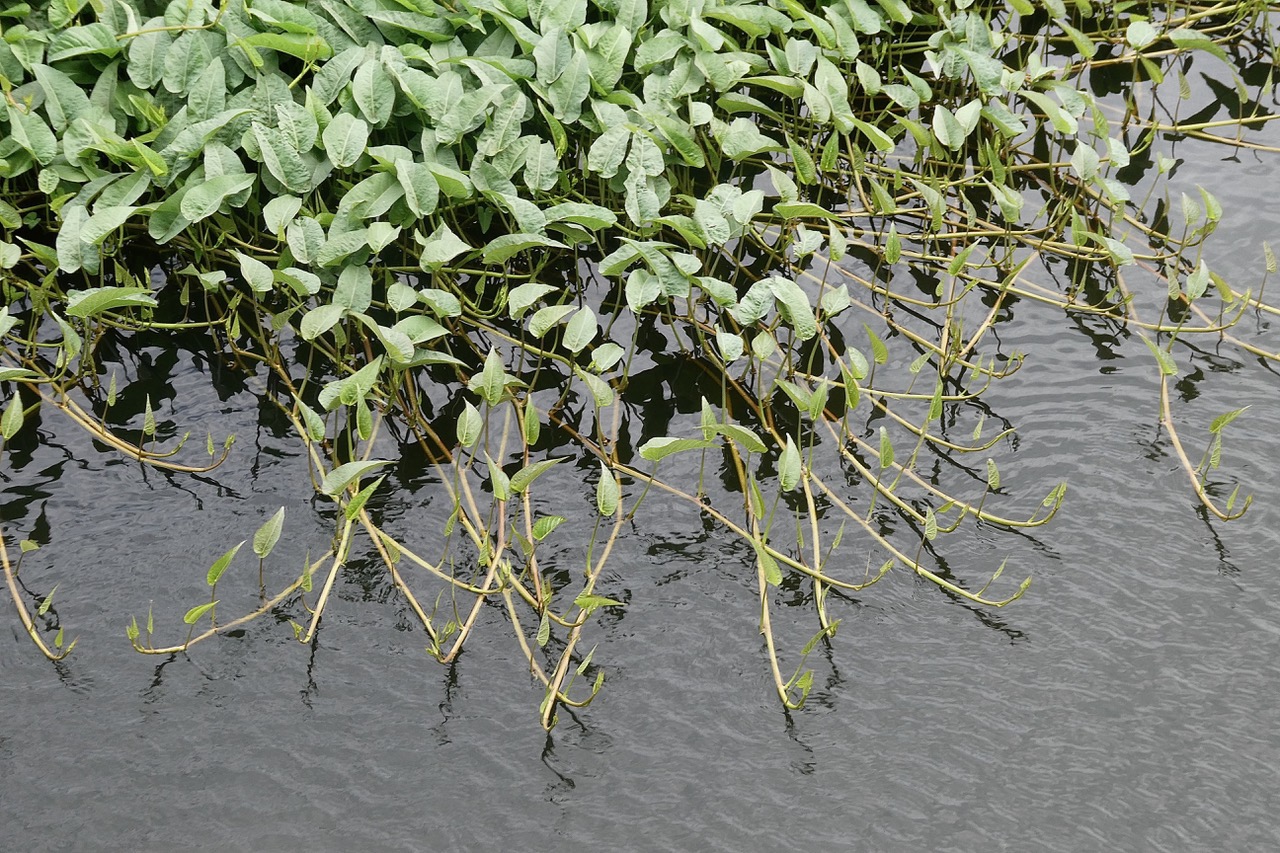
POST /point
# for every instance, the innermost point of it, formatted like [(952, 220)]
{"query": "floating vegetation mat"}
[(460, 232)]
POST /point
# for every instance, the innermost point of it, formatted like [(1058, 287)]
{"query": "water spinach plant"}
[(480, 234)]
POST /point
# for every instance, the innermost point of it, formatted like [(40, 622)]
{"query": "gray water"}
[(1128, 702)]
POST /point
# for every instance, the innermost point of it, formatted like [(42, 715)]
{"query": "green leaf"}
[(1085, 161), (469, 425), (519, 299), (993, 475), (347, 390), (544, 630), (1187, 39), (338, 479), (835, 300), (30, 131), (501, 249), (591, 216), (204, 199), (282, 160), (1139, 34), (806, 242), (731, 345), (657, 449), (9, 216), (741, 139), (421, 190), (642, 289), (1212, 208), (741, 435), (1003, 119), (93, 301), (279, 212), (886, 449), (364, 415), (543, 526), (1062, 121), (256, 273), (935, 403), (1227, 417), (193, 615), (608, 151), (493, 379), (96, 38), (354, 290), (11, 420), (522, 479), (793, 304), (207, 95), (552, 55), (1084, 45), (440, 248), (311, 421), (532, 424), (498, 479), (768, 565), (606, 356), (371, 197), (800, 396), (570, 89), (1121, 255), (187, 58), (545, 318), (266, 537), (608, 493), (64, 100), (879, 352), (858, 367), (345, 139), (220, 565), (803, 209), (789, 466), (1198, 281), (374, 92), (893, 245), (946, 128), (148, 157), (601, 391), (319, 320), (590, 602), (1168, 366), (818, 402), (682, 139), (308, 48), (882, 141), (146, 57), (581, 330)]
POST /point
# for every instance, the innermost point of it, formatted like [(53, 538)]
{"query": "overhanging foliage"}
[(455, 225)]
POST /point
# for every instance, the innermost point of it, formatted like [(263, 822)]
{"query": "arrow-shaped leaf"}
[(220, 565), (268, 534), (337, 479)]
